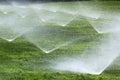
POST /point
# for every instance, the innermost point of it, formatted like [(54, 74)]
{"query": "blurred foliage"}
[(52, 0)]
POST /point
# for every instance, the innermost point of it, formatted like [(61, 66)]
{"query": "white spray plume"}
[(93, 61), (49, 38), (106, 23)]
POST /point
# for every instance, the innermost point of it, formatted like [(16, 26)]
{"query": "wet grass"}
[(21, 60)]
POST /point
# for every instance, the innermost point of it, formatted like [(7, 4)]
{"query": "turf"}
[(21, 60)]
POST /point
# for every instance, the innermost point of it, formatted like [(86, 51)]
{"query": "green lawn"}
[(21, 60)]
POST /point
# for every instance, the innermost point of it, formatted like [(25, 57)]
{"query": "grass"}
[(21, 60)]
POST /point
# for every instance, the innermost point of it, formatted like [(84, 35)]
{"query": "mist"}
[(93, 61)]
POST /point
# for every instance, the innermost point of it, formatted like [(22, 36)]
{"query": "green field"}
[(22, 60)]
